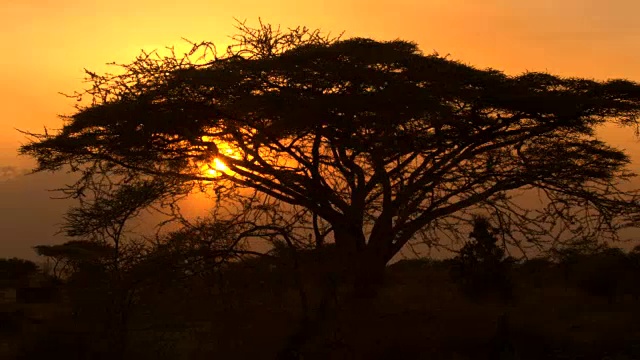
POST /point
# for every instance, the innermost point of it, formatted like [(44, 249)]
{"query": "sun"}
[(216, 168), (219, 165), (216, 165)]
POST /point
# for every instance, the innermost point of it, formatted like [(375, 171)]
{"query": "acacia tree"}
[(378, 141), (73, 256)]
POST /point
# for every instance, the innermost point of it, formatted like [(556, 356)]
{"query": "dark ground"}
[(420, 313)]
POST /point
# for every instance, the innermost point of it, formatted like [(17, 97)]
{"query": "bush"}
[(481, 267)]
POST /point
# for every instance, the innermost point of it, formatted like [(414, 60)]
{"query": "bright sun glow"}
[(217, 166)]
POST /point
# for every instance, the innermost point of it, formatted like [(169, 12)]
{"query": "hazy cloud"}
[(8, 172), (28, 215)]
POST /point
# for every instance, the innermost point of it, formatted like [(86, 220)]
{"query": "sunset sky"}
[(45, 46)]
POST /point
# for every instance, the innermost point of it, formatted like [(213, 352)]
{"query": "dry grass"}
[(419, 314)]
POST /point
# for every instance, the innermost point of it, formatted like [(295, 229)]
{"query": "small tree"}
[(481, 266), (569, 254), (74, 256), (537, 270), (15, 271), (634, 279), (604, 273)]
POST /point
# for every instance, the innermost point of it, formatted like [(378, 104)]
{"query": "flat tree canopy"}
[(377, 140)]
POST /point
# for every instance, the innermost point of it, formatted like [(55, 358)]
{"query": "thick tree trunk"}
[(359, 268), (361, 264), (368, 274)]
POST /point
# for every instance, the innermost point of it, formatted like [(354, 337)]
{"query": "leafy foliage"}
[(373, 142)]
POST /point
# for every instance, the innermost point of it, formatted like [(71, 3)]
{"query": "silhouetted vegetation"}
[(482, 267), (250, 307), (15, 271), (338, 153)]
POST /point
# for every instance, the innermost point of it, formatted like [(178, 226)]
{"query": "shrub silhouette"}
[(481, 266), (604, 273)]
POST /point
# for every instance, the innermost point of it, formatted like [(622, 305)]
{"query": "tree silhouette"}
[(481, 266), (74, 256), (569, 254), (99, 293), (604, 272), (374, 139), (634, 266), (15, 271)]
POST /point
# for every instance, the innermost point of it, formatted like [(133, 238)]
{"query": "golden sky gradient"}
[(45, 45)]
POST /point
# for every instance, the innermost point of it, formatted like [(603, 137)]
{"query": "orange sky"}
[(46, 44), (45, 47)]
